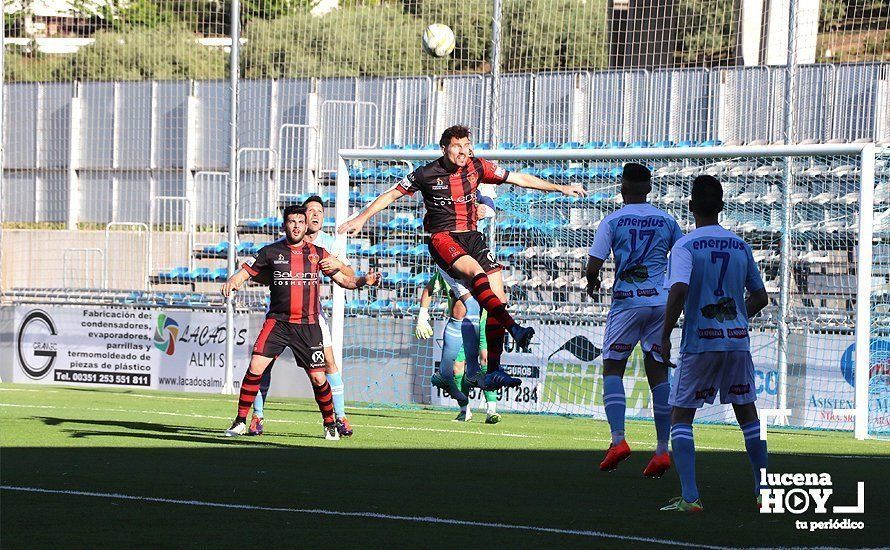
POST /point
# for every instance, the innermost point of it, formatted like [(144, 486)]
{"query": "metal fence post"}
[(232, 221)]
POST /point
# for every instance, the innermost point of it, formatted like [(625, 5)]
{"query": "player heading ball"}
[(448, 185)]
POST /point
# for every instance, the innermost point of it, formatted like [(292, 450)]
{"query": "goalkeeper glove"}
[(423, 330)]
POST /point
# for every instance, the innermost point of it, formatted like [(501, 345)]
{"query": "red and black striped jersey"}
[(293, 276), (449, 192)]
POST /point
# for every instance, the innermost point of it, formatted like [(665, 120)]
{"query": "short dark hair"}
[(293, 209), (458, 131), (707, 196), (313, 198), (636, 179)]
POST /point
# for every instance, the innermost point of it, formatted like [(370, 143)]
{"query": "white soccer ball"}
[(438, 40)]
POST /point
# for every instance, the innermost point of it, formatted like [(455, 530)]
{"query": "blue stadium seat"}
[(329, 222), (526, 145), (174, 274), (664, 144), (368, 197), (245, 247), (328, 197), (686, 143), (220, 248), (571, 145), (380, 305), (506, 145), (549, 145), (550, 172), (220, 274), (616, 172), (254, 224), (596, 172), (272, 222), (355, 196), (617, 144), (356, 304), (354, 249), (639, 144), (394, 251), (430, 146), (710, 143), (594, 145), (392, 146), (573, 173), (482, 146), (534, 171), (372, 173), (199, 274), (327, 304), (421, 278), (418, 250), (404, 305), (376, 250), (414, 146), (355, 173)]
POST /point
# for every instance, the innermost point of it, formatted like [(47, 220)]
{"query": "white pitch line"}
[(367, 515), (411, 429)]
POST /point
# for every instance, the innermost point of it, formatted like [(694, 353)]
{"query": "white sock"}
[(463, 409), (491, 407), (661, 447), (617, 437)]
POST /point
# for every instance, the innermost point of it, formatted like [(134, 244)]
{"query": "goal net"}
[(802, 209)]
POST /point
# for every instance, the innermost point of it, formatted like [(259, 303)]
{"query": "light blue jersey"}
[(718, 266), (329, 243), (640, 236)]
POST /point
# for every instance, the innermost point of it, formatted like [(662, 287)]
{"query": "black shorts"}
[(304, 340), (447, 247)]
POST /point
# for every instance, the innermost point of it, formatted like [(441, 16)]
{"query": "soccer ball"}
[(438, 40)]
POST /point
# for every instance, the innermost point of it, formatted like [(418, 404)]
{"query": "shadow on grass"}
[(558, 489)]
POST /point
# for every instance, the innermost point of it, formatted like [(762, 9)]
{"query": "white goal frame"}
[(865, 151)]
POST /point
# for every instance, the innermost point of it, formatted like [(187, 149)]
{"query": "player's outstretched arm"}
[(235, 282), (673, 309), (423, 329), (756, 301), (354, 226), (594, 265), (529, 181), (352, 282)]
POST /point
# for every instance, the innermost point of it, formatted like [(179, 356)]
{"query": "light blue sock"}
[(451, 345), (756, 448), (683, 445), (265, 382), (613, 399), (662, 413), (469, 329), (336, 382)]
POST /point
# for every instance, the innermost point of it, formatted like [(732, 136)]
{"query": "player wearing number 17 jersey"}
[(640, 237), (710, 269)]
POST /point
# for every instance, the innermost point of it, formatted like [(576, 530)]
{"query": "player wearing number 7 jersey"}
[(640, 237), (710, 269)]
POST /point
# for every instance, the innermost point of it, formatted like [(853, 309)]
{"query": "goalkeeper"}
[(463, 339)]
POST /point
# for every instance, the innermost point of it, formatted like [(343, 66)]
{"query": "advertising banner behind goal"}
[(175, 350)]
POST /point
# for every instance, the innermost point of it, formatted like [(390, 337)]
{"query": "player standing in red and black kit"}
[(448, 185), (292, 268)]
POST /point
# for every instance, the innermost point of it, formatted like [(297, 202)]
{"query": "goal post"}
[(826, 296)]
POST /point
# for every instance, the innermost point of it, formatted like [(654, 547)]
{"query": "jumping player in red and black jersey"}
[(448, 185), (292, 268)]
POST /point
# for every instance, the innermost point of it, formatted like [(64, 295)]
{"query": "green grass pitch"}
[(400, 481)]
